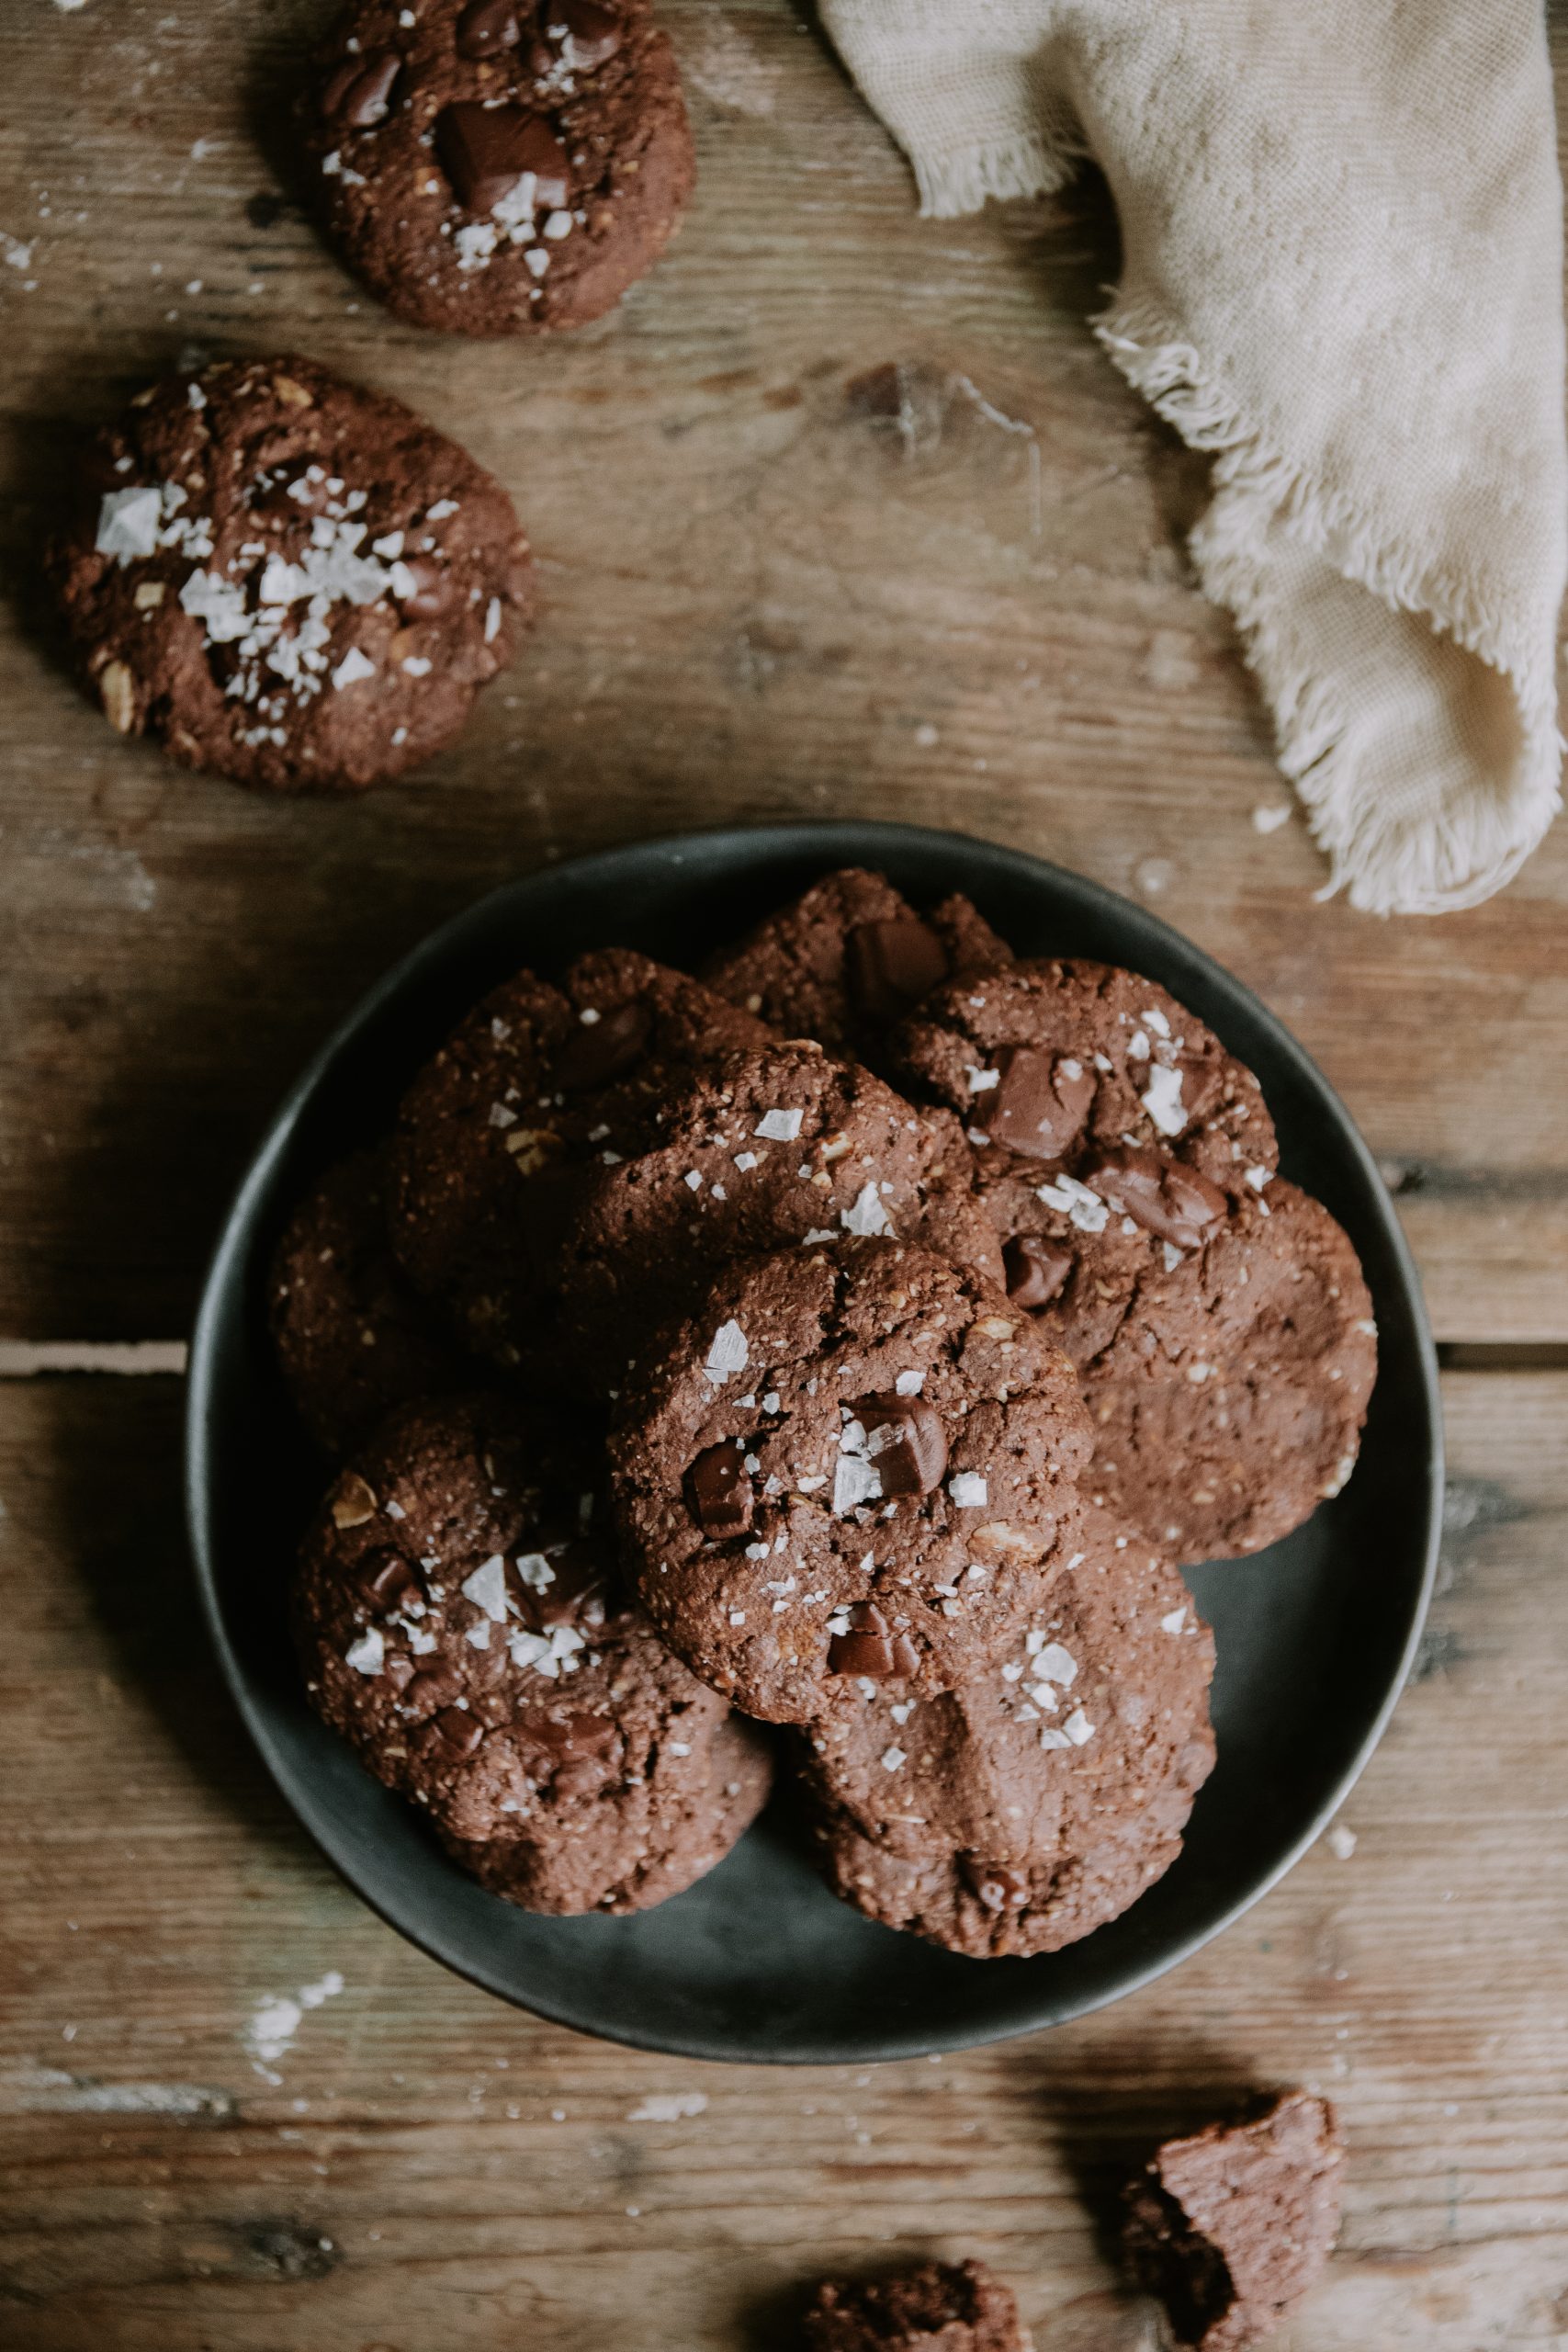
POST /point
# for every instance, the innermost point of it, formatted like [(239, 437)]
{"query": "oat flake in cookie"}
[(459, 1621), (1231, 2226), (491, 168), (538, 1090), (853, 1466), (353, 1339), (1217, 1316), (1043, 1797), (849, 958), (288, 580), (936, 2307)]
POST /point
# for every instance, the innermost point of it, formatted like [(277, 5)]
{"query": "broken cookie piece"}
[(939, 2307)]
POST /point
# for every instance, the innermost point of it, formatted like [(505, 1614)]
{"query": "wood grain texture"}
[(434, 2172), (843, 511)]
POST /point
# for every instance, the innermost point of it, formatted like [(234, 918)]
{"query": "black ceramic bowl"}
[(760, 1962)]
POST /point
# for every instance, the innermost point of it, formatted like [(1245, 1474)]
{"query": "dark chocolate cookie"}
[(460, 1622), (1231, 2226), (849, 958), (499, 167), (854, 1466), (761, 1151), (937, 2307), (353, 1339), (288, 580), (1024, 1809), (1216, 1315), (535, 1091)]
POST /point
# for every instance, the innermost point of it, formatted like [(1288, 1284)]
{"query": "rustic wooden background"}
[(842, 511)]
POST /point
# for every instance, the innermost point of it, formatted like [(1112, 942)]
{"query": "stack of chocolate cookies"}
[(856, 1341)]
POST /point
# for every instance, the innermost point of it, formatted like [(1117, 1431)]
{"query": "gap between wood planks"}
[(35, 1358)]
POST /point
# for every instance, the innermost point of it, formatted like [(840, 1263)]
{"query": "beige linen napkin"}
[(1342, 224)]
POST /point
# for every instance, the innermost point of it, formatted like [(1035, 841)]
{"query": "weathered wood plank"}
[(767, 595), (478, 2177)]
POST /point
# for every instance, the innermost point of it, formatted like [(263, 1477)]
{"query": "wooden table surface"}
[(843, 512)]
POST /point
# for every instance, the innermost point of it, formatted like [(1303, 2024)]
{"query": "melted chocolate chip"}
[(436, 1686), (485, 151), (870, 1648), (1164, 1196), (432, 590), (574, 1753), (1037, 1271), (359, 94), (574, 1596), (892, 963), (453, 1734), (599, 1050), (721, 1491), (592, 32), (1041, 1101), (487, 26), (908, 1443), (386, 1580), (995, 1885)]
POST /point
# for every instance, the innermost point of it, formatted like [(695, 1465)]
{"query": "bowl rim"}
[(833, 843)]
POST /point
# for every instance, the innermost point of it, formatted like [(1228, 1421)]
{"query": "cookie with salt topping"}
[(1022, 1810), (853, 1464), (460, 1621), (493, 167), (287, 579)]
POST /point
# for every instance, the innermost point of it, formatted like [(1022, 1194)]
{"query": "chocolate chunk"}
[(359, 92), (455, 1733), (1036, 1271), (871, 1646), (908, 1443), (892, 963), (995, 1885), (387, 1580), (432, 590), (437, 1687), (485, 151), (1164, 1196), (485, 27), (576, 1754), (599, 1050), (721, 1491), (574, 1595), (1041, 1101), (593, 33)]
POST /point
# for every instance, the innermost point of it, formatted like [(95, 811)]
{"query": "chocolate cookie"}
[(1231, 2226), (288, 580), (1020, 1811), (1230, 1399), (460, 1622), (353, 1339), (763, 1150), (536, 1090), (1217, 1316), (496, 166), (854, 1465), (849, 958), (938, 2307)]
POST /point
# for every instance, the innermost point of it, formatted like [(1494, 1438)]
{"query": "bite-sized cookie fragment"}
[(763, 1150), (849, 958), (285, 579), (460, 1622), (353, 1339), (1231, 1399), (853, 1464), (539, 1087), (1231, 2226), (1024, 1809), (498, 167), (937, 2307)]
